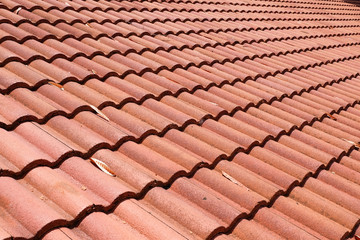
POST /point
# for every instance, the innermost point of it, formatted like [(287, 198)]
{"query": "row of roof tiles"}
[(82, 68), (128, 5), (96, 30), (259, 177), (205, 124), (196, 22), (49, 100), (280, 114)]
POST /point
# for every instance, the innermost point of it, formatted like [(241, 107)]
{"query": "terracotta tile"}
[(20, 159), (34, 31), (113, 44), (190, 215), (94, 67), (116, 88), (91, 181), (10, 79), (128, 123), (298, 121), (178, 79), (317, 142), (278, 178), (110, 230), (80, 46), (250, 230), (39, 105), (258, 86), (63, 233), (161, 81), (174, 152), (152, 160), (114, 65), (57, 32), (245, 141), (270, 118), (214, 96), (57, 127), (51, 72), (217, 203), (194, 145), (153, 225), (13, 205), (300, 213), (335, 180), (11, 4), (278, 223), (326, 208), (132, 63), (130, 171), (299, 158), (48, 181), (279, 162), (333, 194)]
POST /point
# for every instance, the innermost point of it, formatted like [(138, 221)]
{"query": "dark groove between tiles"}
[(222, 230), (50, 115)]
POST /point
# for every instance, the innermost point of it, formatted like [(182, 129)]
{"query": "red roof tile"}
[(219, 119)]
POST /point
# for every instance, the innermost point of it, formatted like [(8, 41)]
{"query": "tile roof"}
[(220, 119)]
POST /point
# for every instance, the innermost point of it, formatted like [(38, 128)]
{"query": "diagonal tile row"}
[(60, 31), (116, 6), (32, 132), (78, 104), (158, 117), (127, 5), (143, 170), (320, 2), (69, 48), (38, 72), (14, 46), (322, 208), (33, 43), (21, 98), (39, 79), (51, 49), (132, 20)]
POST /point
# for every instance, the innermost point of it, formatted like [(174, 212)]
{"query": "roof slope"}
[(220, 119)]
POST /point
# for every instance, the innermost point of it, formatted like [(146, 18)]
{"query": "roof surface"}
[(220, 119)]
